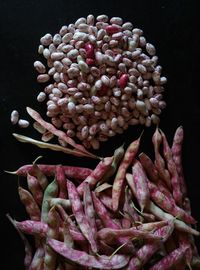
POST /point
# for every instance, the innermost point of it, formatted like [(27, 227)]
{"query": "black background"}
[(172, 26)]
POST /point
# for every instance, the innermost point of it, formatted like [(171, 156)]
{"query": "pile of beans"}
[(129, 212), (100, 75)]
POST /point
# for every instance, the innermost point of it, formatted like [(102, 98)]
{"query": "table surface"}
[(172, 26)]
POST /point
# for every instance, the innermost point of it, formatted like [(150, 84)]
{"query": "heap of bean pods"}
[(129, 212), (100, 77)]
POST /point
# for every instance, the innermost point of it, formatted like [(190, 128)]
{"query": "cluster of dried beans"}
[(91, 217), (102, 76)]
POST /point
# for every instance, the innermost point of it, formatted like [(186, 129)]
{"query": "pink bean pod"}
[(153, 174), (28, 249), (35, 188), (96, 174), (38, 259), (184, 241), (176, 185), (79, 173), (121, 172), (106, 200), (61, 180), (168, 205), (60, 134), (50, 256), (159, 162), (141, 185), (149, 167), (78, 212), (179, 225), (84, 259), (110, 223), (145, 253), (177, 157), (89, 208), (30, 204), (111, 236), (66, 218), (171, 260), (32, 227)]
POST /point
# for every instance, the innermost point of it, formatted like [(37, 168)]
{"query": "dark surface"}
[(172, 26)]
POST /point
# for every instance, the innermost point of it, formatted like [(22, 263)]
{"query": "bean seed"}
[(133, 122), (100, 34), (63, 30), (99, 58), (14, 117), (102, 18), (137, 31), (79, 108), (57, 39), (79, 21), (41, 97), (42, 78), (142, 69), (56, 76), (46, 53), (92, 39), (127, 26), (57, 56), (117, 36), (162, 104), (131, 104), (88, 108), (83, 66), (23, 123), (67, 37), (105, 80), (150, 49), (80, 36), (71, 108), (40, 49), (83, 27), (90, 19), (163, 80), (155, 119), (39, 67), (116, 20), (46, 40)]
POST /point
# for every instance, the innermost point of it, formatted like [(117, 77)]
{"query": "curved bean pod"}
[(84, 259), (121, 172)]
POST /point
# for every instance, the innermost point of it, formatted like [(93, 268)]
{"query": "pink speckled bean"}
[(78, 212), (84, 259)]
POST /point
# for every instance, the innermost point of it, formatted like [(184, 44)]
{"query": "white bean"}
[(14, 117), (23, 123), (39, 67), (127, 26), (42, 78), (116, 20), (79, 21), (90, 19), (57, 39), (150, 49), (57, 56), (41, 97), (40, 49)]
